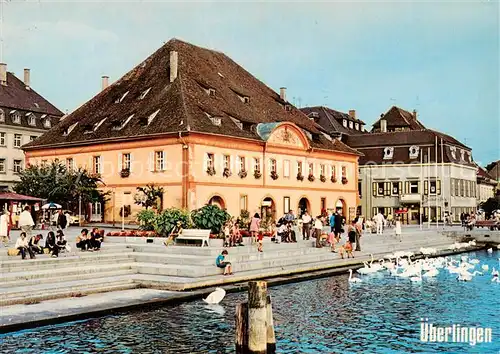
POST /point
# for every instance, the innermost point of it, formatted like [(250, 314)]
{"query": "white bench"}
[(194, 234)]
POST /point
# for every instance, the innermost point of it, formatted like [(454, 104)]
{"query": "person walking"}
[(26, 222), (62, 221), (351, 234), (5, 227), (254, 227), (68, 218), (331, 222), (379, 220), (318, 227), (398, 228), (337, 225), (306, 226), (359, 231)]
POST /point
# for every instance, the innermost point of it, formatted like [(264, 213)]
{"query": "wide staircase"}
[(125, 264)]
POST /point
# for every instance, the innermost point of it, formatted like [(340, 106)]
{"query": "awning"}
[(18, 197)]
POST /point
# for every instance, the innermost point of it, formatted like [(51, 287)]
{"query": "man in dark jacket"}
[(61, 220), (338, 225)]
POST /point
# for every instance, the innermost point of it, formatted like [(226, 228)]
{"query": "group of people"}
[(55, 243), (232, 234)]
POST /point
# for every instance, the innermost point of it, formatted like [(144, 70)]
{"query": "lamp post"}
[(79, 210)]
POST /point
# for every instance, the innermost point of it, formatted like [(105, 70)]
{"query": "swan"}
[(216, 296), (417, 278), (464, 277), (485, 267), (495, 279), (474, 261), (431, 273), (353, 279), (472, 243), (376, 267), (366, 269), (494, 272), (490, 250)]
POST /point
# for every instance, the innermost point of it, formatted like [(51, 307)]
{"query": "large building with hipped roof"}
[(193, 121)]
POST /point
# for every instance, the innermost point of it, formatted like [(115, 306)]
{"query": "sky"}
[(440, 58)]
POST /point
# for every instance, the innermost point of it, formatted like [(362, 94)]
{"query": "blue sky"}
[(441, 58)]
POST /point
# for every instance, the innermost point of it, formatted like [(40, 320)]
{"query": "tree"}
[(491, 205), (57, 184), (149, 196)]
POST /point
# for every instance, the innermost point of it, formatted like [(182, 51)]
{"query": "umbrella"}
[(51, 206)]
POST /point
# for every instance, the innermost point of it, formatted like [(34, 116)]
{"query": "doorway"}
[(304, 205)]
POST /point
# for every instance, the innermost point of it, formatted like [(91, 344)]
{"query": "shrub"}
[(146, 218), (210, 217), (244, 219), (311, 178), (165, 222)]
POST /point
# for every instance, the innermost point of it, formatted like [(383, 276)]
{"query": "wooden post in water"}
[(271, 339), (242, 328), (257, 317)]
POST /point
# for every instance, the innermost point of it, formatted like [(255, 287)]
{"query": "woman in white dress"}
[(398, 228), (4, 227)]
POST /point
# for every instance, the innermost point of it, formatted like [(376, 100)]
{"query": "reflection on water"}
[(380, 315)]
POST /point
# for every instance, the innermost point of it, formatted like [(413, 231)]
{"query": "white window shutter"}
[(164, 163), (238, 163), (205, 162), (151, 161), (131, 160), (120, 156), (101, 165)]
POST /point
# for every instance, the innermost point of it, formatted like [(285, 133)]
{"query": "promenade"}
[(128, 273)]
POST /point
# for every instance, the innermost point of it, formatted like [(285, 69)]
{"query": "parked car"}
[(73, 218)]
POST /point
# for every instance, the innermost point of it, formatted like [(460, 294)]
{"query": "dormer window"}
[(469, 155), (414, 151), (119, 125), (31, 119), (288, 107), (211, 92), (144, 93), (357, 126), (238, 122), (2, 115), (47, 124), (453, 151), (351, 125), (246, 99), (215, 120), (152, 116), (344, 122), (88, 129), (70, 129), (16, 117), (119, 100), (388, 153), (314, 115), (462, 155), (308, 134), (98, 124)]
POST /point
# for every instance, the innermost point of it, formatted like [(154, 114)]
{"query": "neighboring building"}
[(493, 170), (24, 116), (334, 122), (486, 185), (408, 169), (195, 122)]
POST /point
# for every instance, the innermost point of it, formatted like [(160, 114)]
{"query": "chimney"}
[(415, 114), (383, 125), (27, 78), (352, 113), (105, 82), (174, 61), (283, 93), (3, 74)]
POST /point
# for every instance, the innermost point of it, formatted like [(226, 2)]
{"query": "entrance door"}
[(304, 206), (96, 213)]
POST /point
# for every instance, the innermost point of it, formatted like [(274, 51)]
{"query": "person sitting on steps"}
[(96, 239), (23, 246), (221, 263), (34, 244), (83, 240), (50, 244)]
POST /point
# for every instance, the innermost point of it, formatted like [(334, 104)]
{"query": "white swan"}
[(464, 277), (474, 261), (431, 273), (216, 296), (353, 279), (485, 267), (377, 266), (495, 279), (490, 250), (366, 269), (417, 278), (494, 272)]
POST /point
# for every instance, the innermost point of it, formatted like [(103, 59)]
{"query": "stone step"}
[(66, 278), (58, 272), (74, 252), (48, 288), (108, 286), (75, 262)]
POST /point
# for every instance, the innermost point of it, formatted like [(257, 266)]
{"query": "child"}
[(260, 240), (227, 234), (238, 239), (219, 262), (347, 248), (398, 228), (332, 241)]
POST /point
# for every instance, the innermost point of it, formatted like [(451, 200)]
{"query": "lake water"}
[(380, 315)]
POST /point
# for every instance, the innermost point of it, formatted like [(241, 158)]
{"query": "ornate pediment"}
[(288, 136)]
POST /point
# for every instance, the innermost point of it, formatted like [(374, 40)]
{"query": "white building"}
[(24, 115)]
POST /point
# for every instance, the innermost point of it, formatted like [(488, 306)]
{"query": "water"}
[(380, 315)]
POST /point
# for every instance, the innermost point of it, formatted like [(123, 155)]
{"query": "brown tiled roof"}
[(331, 120), (482, 174), (398, 117), (372, 146), (15, 96), (183, 105)]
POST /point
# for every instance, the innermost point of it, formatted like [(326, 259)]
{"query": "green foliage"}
[(491, 205), (57, 184), (165, 221), (210, 217), (149, 196), (146, 219), (244, 219)]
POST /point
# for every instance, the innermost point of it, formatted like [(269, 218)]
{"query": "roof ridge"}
[(184, 108)]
